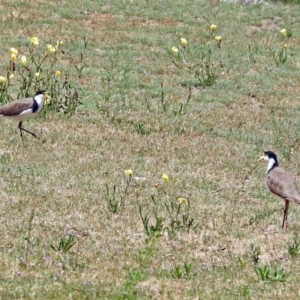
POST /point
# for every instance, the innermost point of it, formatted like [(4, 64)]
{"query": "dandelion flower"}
[(34, 40), (165, 177), (283, 32), (37, 75), (183, 42), (213, 27), (218, 38), (174, 49), (14, 51), (2, 79), (58, 74), (24, 60), (128, 172), (13, 57), (182, 200)]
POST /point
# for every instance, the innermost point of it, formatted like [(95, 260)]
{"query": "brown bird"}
[(23, 109), (281, 184)]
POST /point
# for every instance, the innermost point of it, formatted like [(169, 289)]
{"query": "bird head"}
[(271, 158), (40, 92), (268, 156)]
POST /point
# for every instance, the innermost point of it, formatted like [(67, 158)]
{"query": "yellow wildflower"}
[(58, 74), (14, 51), (37, 75), (285, 46), (183, 42), (2, 79), (11, 76), (59, 43), (182, 200), (50, 48), (13, 57), (165, 177), (34, 40), (128, 172), (213, 27), (174, 49), (283, 32), (219, 40), (47, 100), (24, 60)]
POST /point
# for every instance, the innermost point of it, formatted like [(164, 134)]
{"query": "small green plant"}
[(244, 290), (265, 273), (254, 253), (183, 106), (65, 244), (281, 56), (252, 53), (177, 272), (170, 213), (141, 129), (242, 262), (155, 230), (164, 106), (293, 248), (115, 200), (199, 64), (179, 216), (185, 272)]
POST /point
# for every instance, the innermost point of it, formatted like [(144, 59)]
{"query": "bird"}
[(281, 184), (23, 109)]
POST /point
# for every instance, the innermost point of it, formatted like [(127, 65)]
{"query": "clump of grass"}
[(293, 248), (266, 273), (183, 272), (65, 244)]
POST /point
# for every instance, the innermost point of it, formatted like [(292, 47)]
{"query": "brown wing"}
[(283, 185), (16, 107)]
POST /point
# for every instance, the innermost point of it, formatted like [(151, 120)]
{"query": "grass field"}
[(75, 226)]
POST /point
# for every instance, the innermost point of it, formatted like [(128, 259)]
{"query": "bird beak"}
[(261, 158)]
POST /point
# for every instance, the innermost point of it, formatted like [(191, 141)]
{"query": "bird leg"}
[(21, 128), (285, 215)]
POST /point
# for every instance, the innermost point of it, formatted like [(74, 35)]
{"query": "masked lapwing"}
[(281, 184), (23, 109)]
